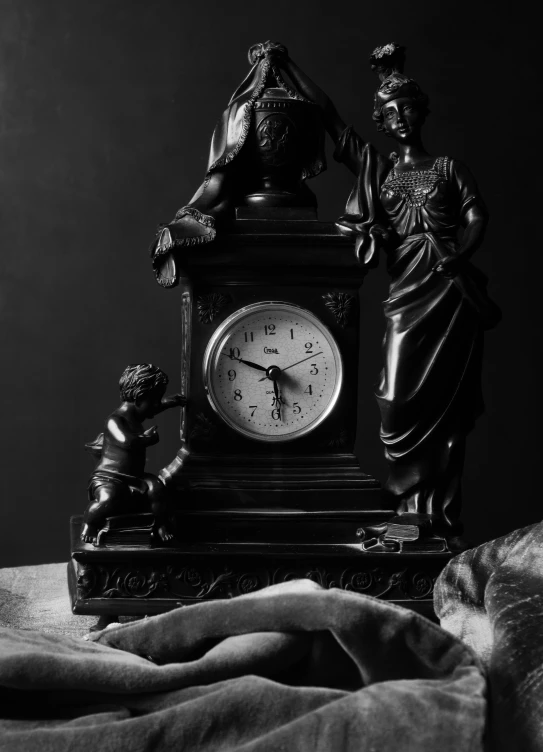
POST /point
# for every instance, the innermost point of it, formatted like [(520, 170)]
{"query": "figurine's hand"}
[(174, 400), (151, 434), (383, 233), (449, 267)]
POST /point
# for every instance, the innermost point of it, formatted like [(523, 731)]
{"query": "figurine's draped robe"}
[(429, 393)]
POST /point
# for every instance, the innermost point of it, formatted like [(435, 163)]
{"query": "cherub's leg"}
[(159, 503), (106, 500)]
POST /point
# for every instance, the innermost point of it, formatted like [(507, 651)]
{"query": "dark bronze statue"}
[(269, 140), (426, 214), (119, 484)]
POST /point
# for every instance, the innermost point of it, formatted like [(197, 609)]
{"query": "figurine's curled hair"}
[(139, 380), (388, 63)]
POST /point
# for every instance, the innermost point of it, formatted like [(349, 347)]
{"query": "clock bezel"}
[(214, 346)]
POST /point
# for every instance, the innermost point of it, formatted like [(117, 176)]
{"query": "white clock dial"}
[(272, 371)]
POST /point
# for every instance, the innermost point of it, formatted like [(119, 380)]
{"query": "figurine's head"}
[(400, 106), (144, 385)]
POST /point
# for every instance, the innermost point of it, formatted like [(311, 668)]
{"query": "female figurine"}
[(415, 206)]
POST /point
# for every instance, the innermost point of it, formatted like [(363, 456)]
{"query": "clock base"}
[(226, 553)]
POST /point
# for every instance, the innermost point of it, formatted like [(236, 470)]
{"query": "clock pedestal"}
[(251, 513)]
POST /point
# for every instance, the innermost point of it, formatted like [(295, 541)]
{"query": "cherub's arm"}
[(172, 400)]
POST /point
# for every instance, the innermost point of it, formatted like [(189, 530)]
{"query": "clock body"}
[(274, 293), (258, 504)]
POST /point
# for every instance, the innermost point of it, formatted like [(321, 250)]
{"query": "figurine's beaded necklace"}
[(414, 186)]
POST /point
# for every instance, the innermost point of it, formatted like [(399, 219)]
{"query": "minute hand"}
[(297, 363)]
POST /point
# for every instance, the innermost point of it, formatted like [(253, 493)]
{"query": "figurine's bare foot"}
[(164, 534), (88, 534)]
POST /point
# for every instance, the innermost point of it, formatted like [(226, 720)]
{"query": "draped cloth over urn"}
[(269, 140)]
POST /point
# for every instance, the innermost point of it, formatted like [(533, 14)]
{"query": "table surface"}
[(36, 598)]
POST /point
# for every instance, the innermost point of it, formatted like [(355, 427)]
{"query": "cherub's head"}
[(144, 385)]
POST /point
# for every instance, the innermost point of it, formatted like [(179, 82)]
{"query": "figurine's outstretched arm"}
[(333, 122), (172, 400)]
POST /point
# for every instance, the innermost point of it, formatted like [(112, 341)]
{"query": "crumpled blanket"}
[(291, 667), (492, 598)]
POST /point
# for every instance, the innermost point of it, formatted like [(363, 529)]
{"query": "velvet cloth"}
[(491, 597), (429, 393), (292, 667)]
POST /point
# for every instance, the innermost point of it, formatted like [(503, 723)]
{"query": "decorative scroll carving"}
[(340, 304), (119, 582), (204, 429), (209, 306), (338, 441), (418, 586), (248, 582), (86, 581), (199, 582), (321, 577)]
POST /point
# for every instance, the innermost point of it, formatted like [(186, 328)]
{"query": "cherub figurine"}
[(119, 483)]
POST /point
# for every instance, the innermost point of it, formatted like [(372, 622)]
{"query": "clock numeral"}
[(235, 353), (314, 370), (308, 346), (247, 335), (269, 329), (253, 408), (296, 408), (237, 395), (276, 414), (309, 390), (292, 333), (231, 375)]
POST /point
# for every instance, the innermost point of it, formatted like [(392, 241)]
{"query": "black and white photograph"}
[(270, 377)]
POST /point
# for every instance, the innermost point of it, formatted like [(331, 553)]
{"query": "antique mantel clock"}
[(265, 485)]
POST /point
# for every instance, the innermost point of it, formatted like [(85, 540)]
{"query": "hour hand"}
[(247, 363)]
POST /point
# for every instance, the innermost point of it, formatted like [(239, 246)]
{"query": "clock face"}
[(272, 371)]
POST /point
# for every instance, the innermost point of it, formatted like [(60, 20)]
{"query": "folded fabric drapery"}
[(292, 667), (492, 598), (195, 223)]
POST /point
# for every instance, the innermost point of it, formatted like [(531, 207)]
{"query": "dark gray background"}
[(106, 111)]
